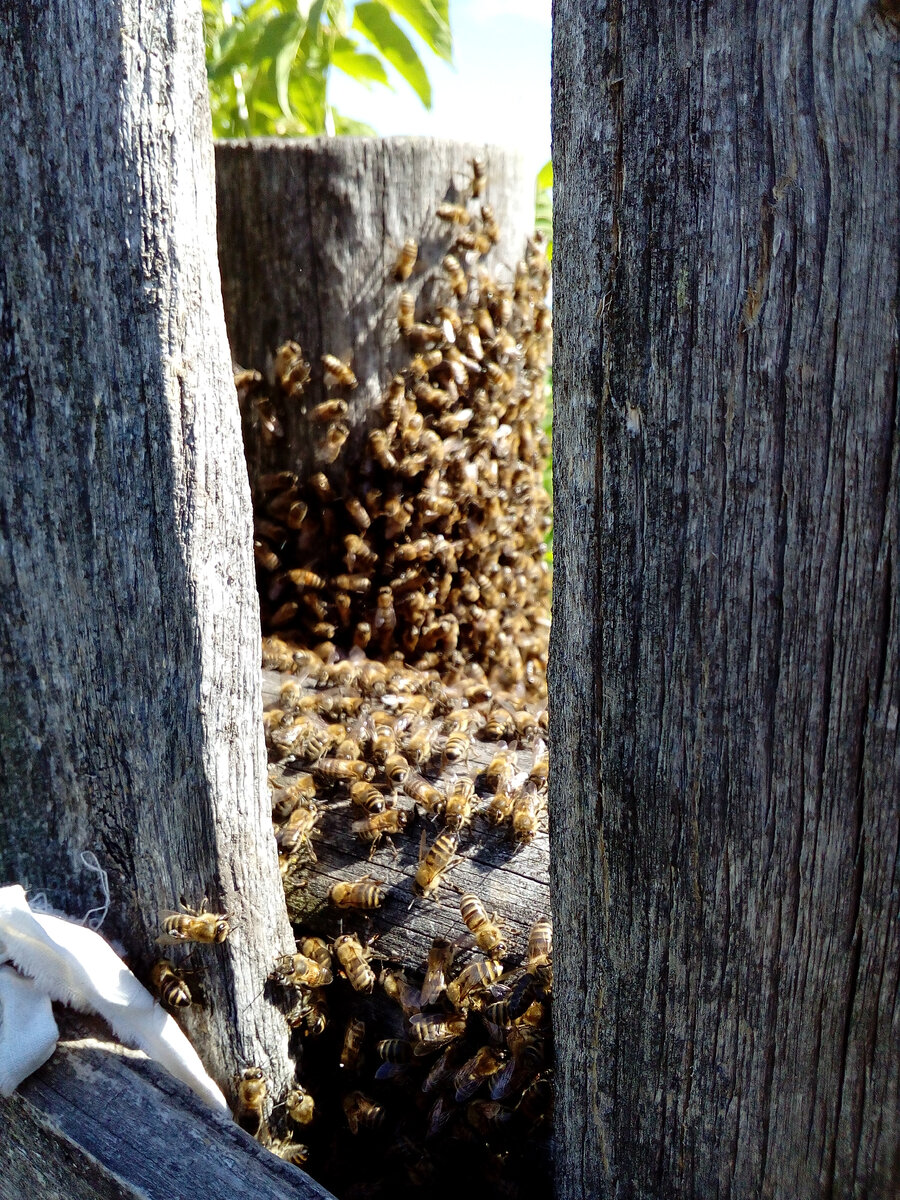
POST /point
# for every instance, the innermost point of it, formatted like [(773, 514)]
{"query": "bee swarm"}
[(405, 598)]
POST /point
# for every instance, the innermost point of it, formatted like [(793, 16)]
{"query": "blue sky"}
[(498, 92)]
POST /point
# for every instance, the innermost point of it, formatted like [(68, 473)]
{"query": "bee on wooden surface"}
[(487, 1116), (253, 1090), (295, 835), (481, 973), (291, 1152), (291, 369), (501, 769), (299, 790), (170, 987), (303, 578), (334, 409), (472, 1074), (440, 956), (421, 334), (380, 445), (435, 1029), (354, 962), (500, 808), (351, 1050), (540, 767), (526, 810), (317, 949), (392, 399), (399, 990), (382, 739), (479, 177), (487, 934), (296, 970), (366, 795), (300, 1105), (421, 364), (358, 553), (342, 770), (310, 1013), (423, 793), (330, 445), (540, 945), (419, 745), (458, 809), (406, 261), (363, 1114), (361, 893), (527, 726), (337, 373), (406, 312), (499, 726), (436, 863), (394, 1050), (379, 825), (456, 276), (321, 485), (453, 214), (357, 512), (194, 925), (526, 1047)]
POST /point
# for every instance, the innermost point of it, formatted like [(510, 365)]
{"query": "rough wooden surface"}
[(129, 626), (100, 1121), (309, 234), (724, 676), (511, 880)]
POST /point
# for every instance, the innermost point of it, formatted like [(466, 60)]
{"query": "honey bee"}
[(440, 956), (337, 373), (194, 926), (421, 364), (385, 620), (540, 946), (421, 334), (296, 970), (487, 1116), (394, 1050), (540, 767), (292, 1152), (500, 809), (170, 987), (351, 1050), (396, 770), (499, 725), (362, 1113), (353, 960), (481, 973), (310, 1013), (487, 935), (342, 770), (295, 835), (366, 795), (479, 175), (330, 446), (435, 1029), (526, 810), (406, 261), (253, 1090), (303, 578), (265, 556), (436, 863), (456, 276), (317, 949), (400, 991), (458, 809), (453, 214), (291, 368), (392, 400), (406, 311), (379, 444), (453, 422), (358, 553), (378, 825), (430, 798), (329, 410), (361, 893), (382, 739), (357, 512), (300, 1105), (321, 485), (419, 745), (526, 1047), (471, 1075)]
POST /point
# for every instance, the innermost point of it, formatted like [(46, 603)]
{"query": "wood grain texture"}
[(129, 625), (309, 233), (62, 1136), (724, 677)]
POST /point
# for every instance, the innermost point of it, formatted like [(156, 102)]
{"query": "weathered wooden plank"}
[(129, 622), (99, 1120), (724, 679)]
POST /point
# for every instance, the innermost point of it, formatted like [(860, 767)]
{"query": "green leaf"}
[(374, 22), (545, 175), (365, 68), (431, 26), (279, 33), (236, 48)]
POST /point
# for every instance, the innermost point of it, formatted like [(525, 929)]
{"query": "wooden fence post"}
[(724, 677)]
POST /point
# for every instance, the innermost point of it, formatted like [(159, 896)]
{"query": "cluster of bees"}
[(406, 603), (432, 544)]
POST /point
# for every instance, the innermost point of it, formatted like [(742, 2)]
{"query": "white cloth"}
[(78, 967)]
